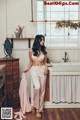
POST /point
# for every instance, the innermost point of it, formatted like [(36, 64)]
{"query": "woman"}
[(38, 59)]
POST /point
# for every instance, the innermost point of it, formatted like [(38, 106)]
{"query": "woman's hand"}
[(25, 71)]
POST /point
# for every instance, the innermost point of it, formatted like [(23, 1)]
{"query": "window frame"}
[(44, 29)]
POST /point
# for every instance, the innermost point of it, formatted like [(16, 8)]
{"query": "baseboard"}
[(61, 105)]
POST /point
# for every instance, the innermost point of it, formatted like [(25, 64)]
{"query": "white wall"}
[(2, 25), (12, 14)]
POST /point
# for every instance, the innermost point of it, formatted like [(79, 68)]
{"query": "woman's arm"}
[(45, 63), (30, 61), (45, 60)]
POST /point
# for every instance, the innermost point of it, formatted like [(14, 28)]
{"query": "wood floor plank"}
[(55, 114), (49, 114), (70, 115), (62, 113), (74, 114), (76, 110), (43, 115), (46, 114)]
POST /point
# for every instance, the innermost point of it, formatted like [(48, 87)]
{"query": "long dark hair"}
[(36, 45)]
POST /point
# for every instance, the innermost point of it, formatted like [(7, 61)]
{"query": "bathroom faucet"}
[(65, 58)]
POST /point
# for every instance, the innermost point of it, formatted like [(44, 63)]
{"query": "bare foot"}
[(38, 115)]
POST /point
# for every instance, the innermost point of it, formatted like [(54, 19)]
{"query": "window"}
[(56, 36)]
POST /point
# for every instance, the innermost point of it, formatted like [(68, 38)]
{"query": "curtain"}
[(66, 88)]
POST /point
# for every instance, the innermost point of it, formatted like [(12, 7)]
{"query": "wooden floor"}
[(55, 114)]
